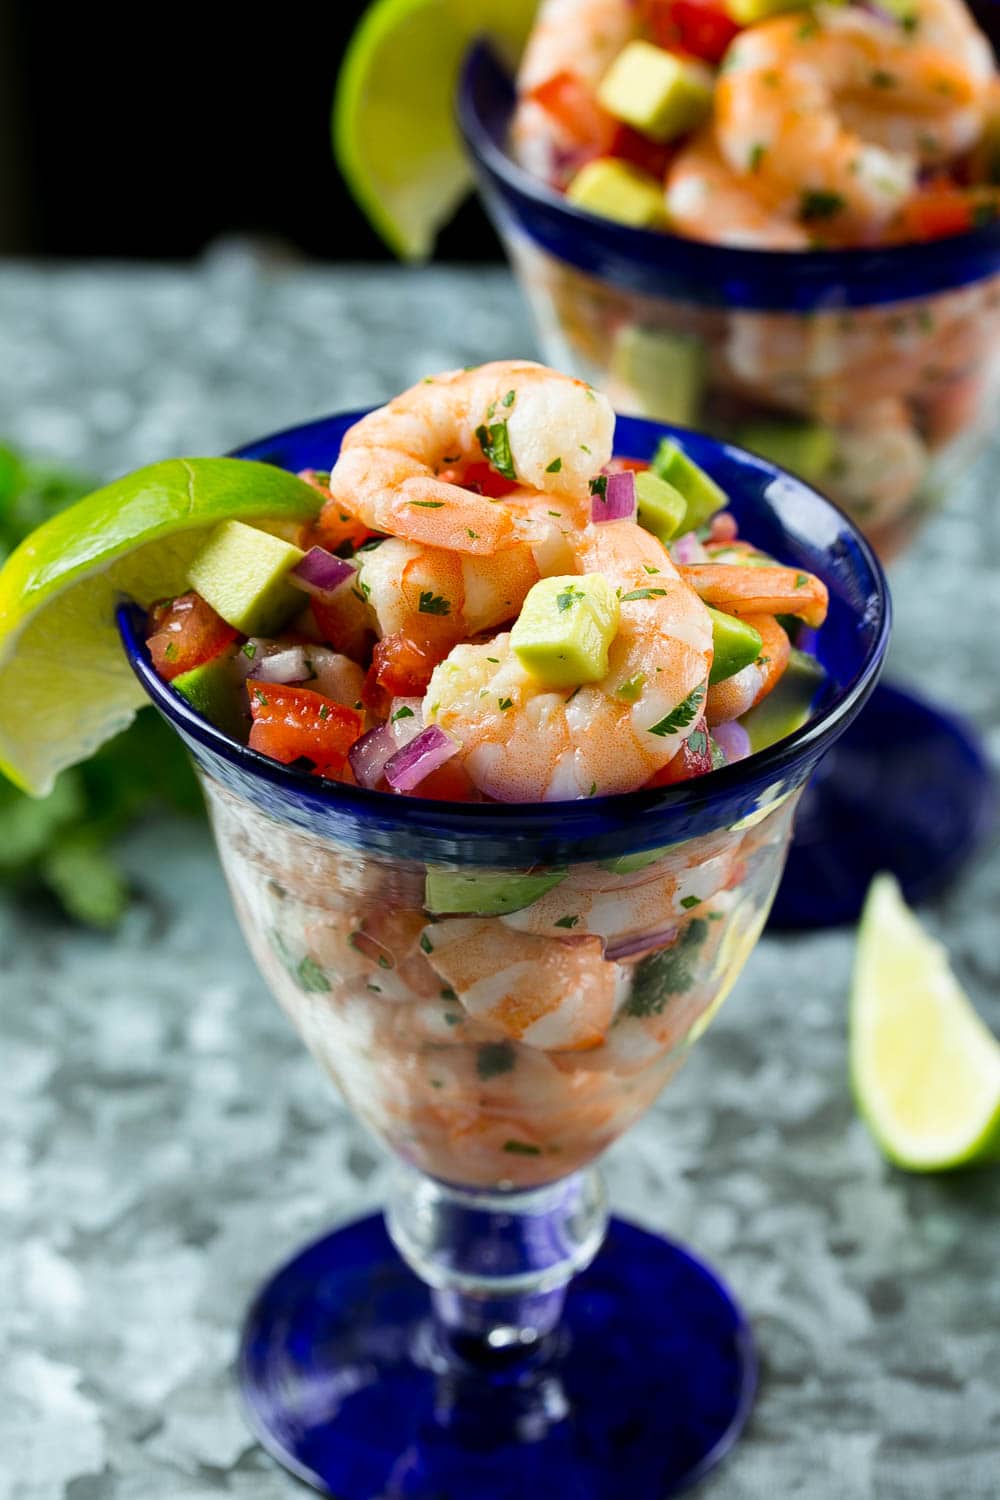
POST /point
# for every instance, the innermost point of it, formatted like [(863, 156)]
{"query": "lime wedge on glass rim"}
[(394, 131), (924, 1068), (65, 685)]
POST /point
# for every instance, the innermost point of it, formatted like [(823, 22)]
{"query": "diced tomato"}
[(702, 28), (628, 145), (627, 465), (184, 633), (693, 759), (295, 724), (569, 101), (481, 478), (342, 622), (942, 208), (402, 663), (449, 783)]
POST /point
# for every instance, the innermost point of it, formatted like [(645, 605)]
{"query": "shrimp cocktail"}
[(501, 718), (773, 220)]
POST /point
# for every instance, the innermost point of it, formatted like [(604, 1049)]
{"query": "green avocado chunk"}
[(564, 629), (486, 893), (749, 12), (789, 705), (627, 864), (805, 448), (616, 190), (701, 493), (656, 92), (735, 645), (212, 691), (243, 574), (663, 374), (660, 508)]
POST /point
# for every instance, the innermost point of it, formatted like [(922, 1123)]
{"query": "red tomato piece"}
[(481, 478), (295, 724), (627, 465), (701, 28), (628, 145), (402, 664), (693, 759), (570, 102), (449, 783), (939, 209), (184, 633), (334, 525)]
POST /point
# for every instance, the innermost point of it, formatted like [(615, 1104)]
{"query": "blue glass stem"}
[(497, 1263)]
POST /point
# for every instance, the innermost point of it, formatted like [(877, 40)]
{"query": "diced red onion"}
[(406, 715), (287, 665), (733, 740), (687, 550), (321, 573), (369, 754), (640, 942), (431, 748), (617, 503)]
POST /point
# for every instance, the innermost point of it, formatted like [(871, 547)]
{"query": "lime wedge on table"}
[(925, 1070), (65, 686), (394, 130)]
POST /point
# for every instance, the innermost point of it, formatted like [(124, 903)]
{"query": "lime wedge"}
[(925, 1070), (65, 686), (394, 131)]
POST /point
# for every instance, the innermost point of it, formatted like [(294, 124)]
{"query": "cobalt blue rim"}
[(667, 265), (516, 834)]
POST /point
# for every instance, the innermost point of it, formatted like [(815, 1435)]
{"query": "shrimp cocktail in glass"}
[(772, 220), (501, 712)]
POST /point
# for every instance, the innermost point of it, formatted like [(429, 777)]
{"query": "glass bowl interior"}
[(779, 513)]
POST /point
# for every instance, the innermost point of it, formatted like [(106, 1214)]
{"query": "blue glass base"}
[(644, 1386), (906, 789)]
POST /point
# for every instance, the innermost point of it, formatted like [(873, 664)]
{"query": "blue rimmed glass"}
[(890, 357), (515, 1338), (877, 369)]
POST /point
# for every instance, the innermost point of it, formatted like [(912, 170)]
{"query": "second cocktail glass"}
[(381, 923)]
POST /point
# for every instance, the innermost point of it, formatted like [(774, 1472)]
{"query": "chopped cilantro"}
[(494, 440), (801, 579), (494, 659), (635, 594), (505, 703), (311, 977), (324, 710), (170, 651), (817, 203), (509, 399), (670, 972), (249, 650), (425, 943), (494, 1058), (521, 1148), (680, 717), (757, 154), (402, 713), (433, 604), (428, 504), (599, 487), (630, 690), (448, 993), (689, 901), (698, 742), (553, 468), (566, 922), (568, 598)]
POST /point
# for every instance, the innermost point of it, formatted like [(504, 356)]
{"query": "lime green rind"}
[(393, 129), (65, 686), (929, 1002)]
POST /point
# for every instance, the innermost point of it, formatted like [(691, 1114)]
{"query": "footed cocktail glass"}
[(499, 992)]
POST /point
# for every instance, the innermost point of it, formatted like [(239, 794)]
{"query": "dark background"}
[(142, 131)]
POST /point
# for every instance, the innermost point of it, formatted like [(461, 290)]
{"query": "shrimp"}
[(881, 462), (387, 471), (521, 742), (707, 200), (737, 694), (571, 46), (744, 591), (558, 996), (824, 115)]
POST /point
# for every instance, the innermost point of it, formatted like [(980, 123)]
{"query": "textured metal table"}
[(166, 1140)]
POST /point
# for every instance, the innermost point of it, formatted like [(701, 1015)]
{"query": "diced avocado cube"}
[(617, 190), (486, 893), (243, 574), (703, 496), (564, 629), (735, 644), (213, 691), (660, 508), (662, 373), (749, 12), (789, 705), (805, 448), (656, 92)]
